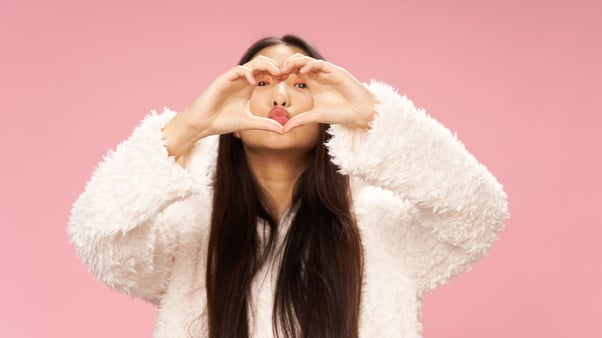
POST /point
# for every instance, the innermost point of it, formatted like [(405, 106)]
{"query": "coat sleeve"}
[(457, 205), (117, 224)]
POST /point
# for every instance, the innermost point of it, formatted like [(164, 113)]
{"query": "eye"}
[(301, 85), (262, 83)]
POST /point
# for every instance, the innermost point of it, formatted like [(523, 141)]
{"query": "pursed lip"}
[(279, 115)]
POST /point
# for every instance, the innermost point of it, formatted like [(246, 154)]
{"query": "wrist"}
[(366, 113), (180, 135)]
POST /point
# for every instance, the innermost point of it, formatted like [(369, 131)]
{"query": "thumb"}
[(262, 123), (308, 117)]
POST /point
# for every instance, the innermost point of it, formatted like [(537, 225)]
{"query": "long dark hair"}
[(318, 290)]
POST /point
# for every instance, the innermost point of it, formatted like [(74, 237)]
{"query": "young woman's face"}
[(280, 100)]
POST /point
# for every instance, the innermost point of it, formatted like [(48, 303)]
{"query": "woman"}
[(330, 207)]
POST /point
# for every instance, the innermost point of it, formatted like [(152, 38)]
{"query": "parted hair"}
[(318, 288)]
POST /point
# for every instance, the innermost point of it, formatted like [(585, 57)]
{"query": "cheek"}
[(255, 101), (305, 101), (311, 134), (302, 101)]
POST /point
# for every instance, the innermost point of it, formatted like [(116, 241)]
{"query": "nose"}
[(280, 96)]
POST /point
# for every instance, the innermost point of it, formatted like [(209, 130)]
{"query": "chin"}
[(300, 139), (285, 147)]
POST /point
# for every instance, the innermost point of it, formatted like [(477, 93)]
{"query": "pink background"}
[(519, 81)]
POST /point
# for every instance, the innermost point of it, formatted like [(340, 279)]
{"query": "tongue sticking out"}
[(279, 115)]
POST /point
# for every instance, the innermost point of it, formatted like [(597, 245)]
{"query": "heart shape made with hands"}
[(339, 98), (281, 113)]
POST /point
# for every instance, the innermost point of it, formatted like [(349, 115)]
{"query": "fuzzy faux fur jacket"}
[(425, 207)]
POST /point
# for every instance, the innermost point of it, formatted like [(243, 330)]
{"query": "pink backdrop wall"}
[(519, 81)]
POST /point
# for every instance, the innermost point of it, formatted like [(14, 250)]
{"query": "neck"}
[(277, 174)]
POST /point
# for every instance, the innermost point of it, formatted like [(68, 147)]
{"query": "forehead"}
[(280, 52)]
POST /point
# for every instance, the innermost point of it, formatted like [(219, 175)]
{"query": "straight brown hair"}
[(318, 289)]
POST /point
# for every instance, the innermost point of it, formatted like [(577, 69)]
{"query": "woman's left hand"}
[(339, 97)]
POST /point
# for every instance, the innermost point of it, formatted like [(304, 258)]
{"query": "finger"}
[(263, 64), (302, 119), (315, 66), (293, 63), (296, 56), (264, 58), (262, 123), (240, 72), (259, 68)]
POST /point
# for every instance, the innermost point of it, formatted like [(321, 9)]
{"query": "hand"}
[(339, 97), (224, 107)]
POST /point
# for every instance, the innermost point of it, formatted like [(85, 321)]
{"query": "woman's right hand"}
[(222, 108)]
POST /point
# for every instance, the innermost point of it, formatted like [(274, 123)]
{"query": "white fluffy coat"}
[(425, 207)]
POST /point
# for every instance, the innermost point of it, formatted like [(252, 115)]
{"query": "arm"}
[(140, 205), (458, 205), (446, 206), (117, 223)]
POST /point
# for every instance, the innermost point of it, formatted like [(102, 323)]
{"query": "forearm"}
[(457, 205), (410, 153), (117, 220), (181, 135)]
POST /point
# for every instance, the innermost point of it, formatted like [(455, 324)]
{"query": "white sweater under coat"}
[(425, 207)]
